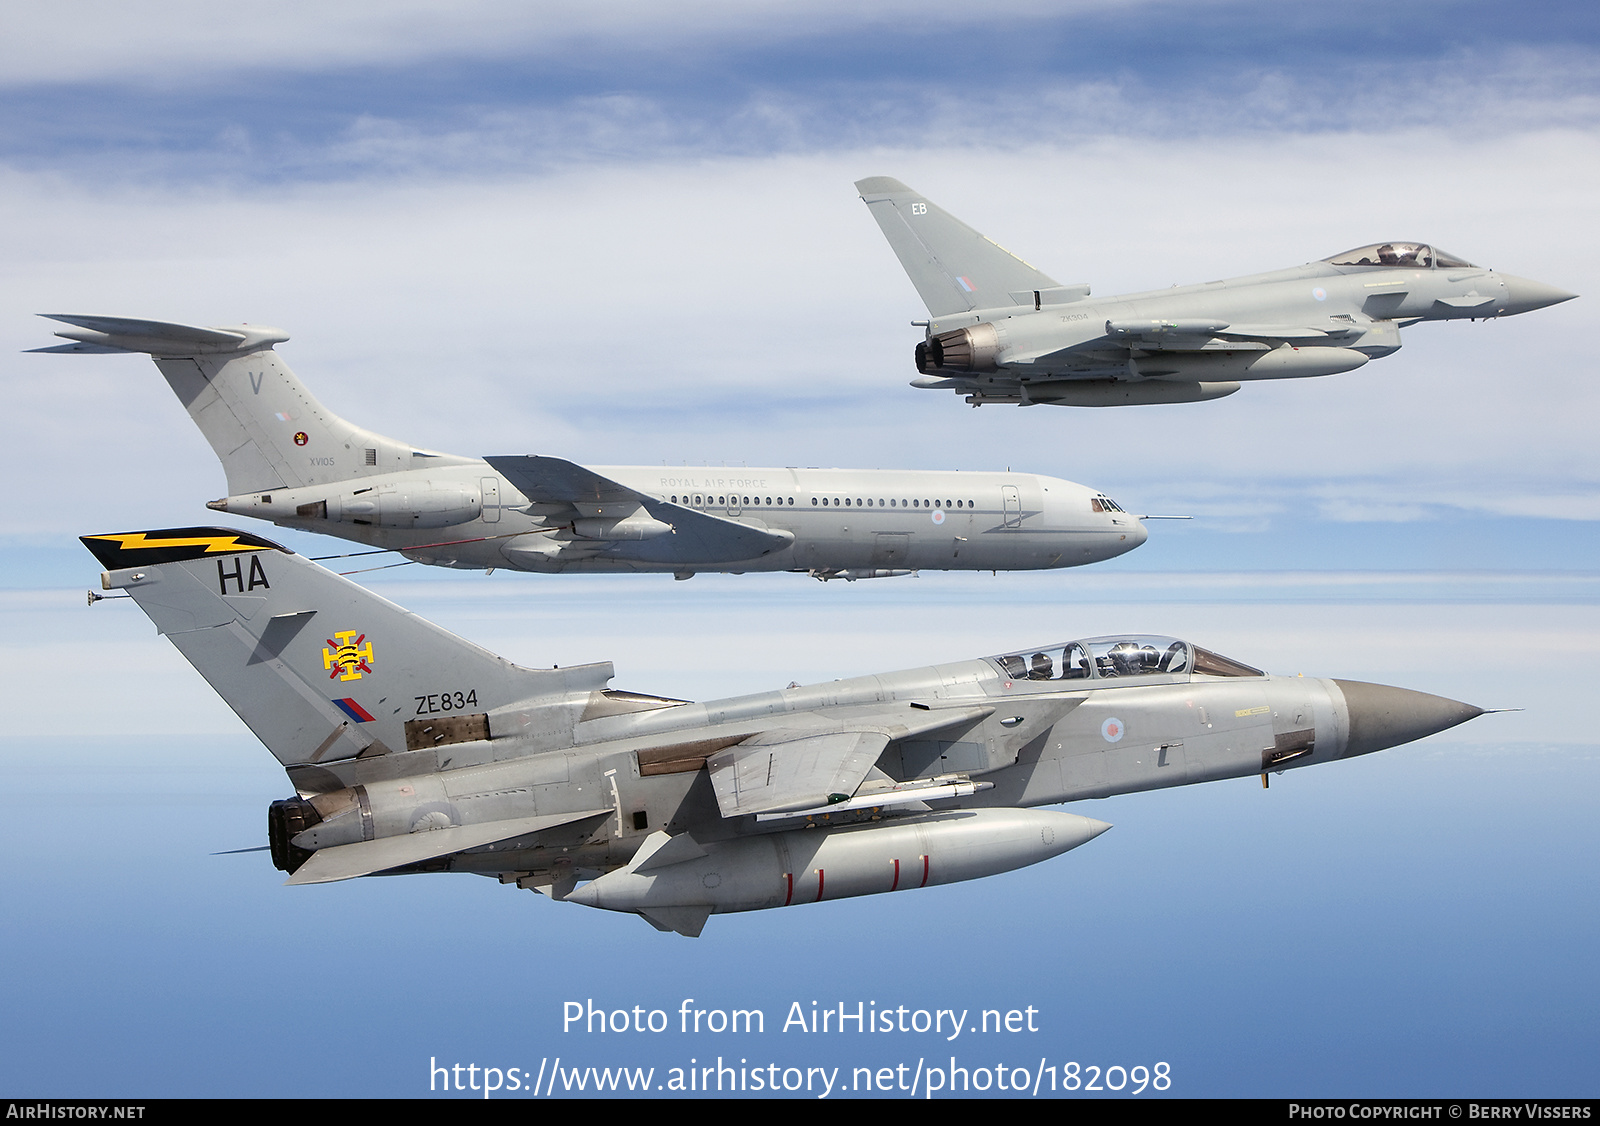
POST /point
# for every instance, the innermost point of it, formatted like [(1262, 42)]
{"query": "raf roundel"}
[(1112, 730), (938, 516)]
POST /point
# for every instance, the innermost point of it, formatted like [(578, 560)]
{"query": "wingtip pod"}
[(96, 334)]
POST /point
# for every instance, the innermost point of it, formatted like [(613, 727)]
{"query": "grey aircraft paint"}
[(288, 459), (411, 750), (1000, 331)]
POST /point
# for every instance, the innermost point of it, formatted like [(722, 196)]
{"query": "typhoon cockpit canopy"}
[(1119, 657), (1413, 255)]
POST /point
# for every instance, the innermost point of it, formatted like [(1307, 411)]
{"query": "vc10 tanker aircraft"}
[(290, 460), (411, 750), (1002, 332)]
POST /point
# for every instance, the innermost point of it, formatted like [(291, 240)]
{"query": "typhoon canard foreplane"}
[(411, 750), (1000, 331), (290, 460)]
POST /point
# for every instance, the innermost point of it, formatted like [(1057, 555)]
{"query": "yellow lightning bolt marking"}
[(214, 545)]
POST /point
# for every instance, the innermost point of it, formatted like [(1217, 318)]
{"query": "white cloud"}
[(180, 41)]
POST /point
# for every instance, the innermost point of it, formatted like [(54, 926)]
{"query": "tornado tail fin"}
[(319, 668)]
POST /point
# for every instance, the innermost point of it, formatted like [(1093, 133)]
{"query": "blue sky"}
[(627, 235)]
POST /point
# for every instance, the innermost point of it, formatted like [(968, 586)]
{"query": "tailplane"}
[(320, 669), (954, 268), (268, 431)]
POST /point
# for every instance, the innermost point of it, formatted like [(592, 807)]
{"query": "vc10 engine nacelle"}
[(407, 504)]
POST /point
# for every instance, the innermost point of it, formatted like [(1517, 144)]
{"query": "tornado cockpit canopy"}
[(1118, 657)]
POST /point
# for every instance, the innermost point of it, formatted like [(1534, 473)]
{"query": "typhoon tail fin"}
[(266, 428), (320, 669), (953, 266)]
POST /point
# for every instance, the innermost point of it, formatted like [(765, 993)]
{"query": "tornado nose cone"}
[(1381, 716), (1523, 296)]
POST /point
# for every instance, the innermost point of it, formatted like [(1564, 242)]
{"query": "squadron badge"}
[(348, 659)]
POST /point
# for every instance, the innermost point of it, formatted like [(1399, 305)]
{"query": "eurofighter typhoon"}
[(411, 750), (290, 460), (1002, 332)]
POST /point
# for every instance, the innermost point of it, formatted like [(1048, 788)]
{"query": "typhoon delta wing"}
[(290, 460), (411, 750), (1000, 331)]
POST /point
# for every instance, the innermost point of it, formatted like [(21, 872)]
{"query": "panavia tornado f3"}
[(290, 460), (1002, 332), (411, 750)]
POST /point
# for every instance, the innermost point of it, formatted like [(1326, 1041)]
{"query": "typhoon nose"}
[(1381, 716), (1523, 296)]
